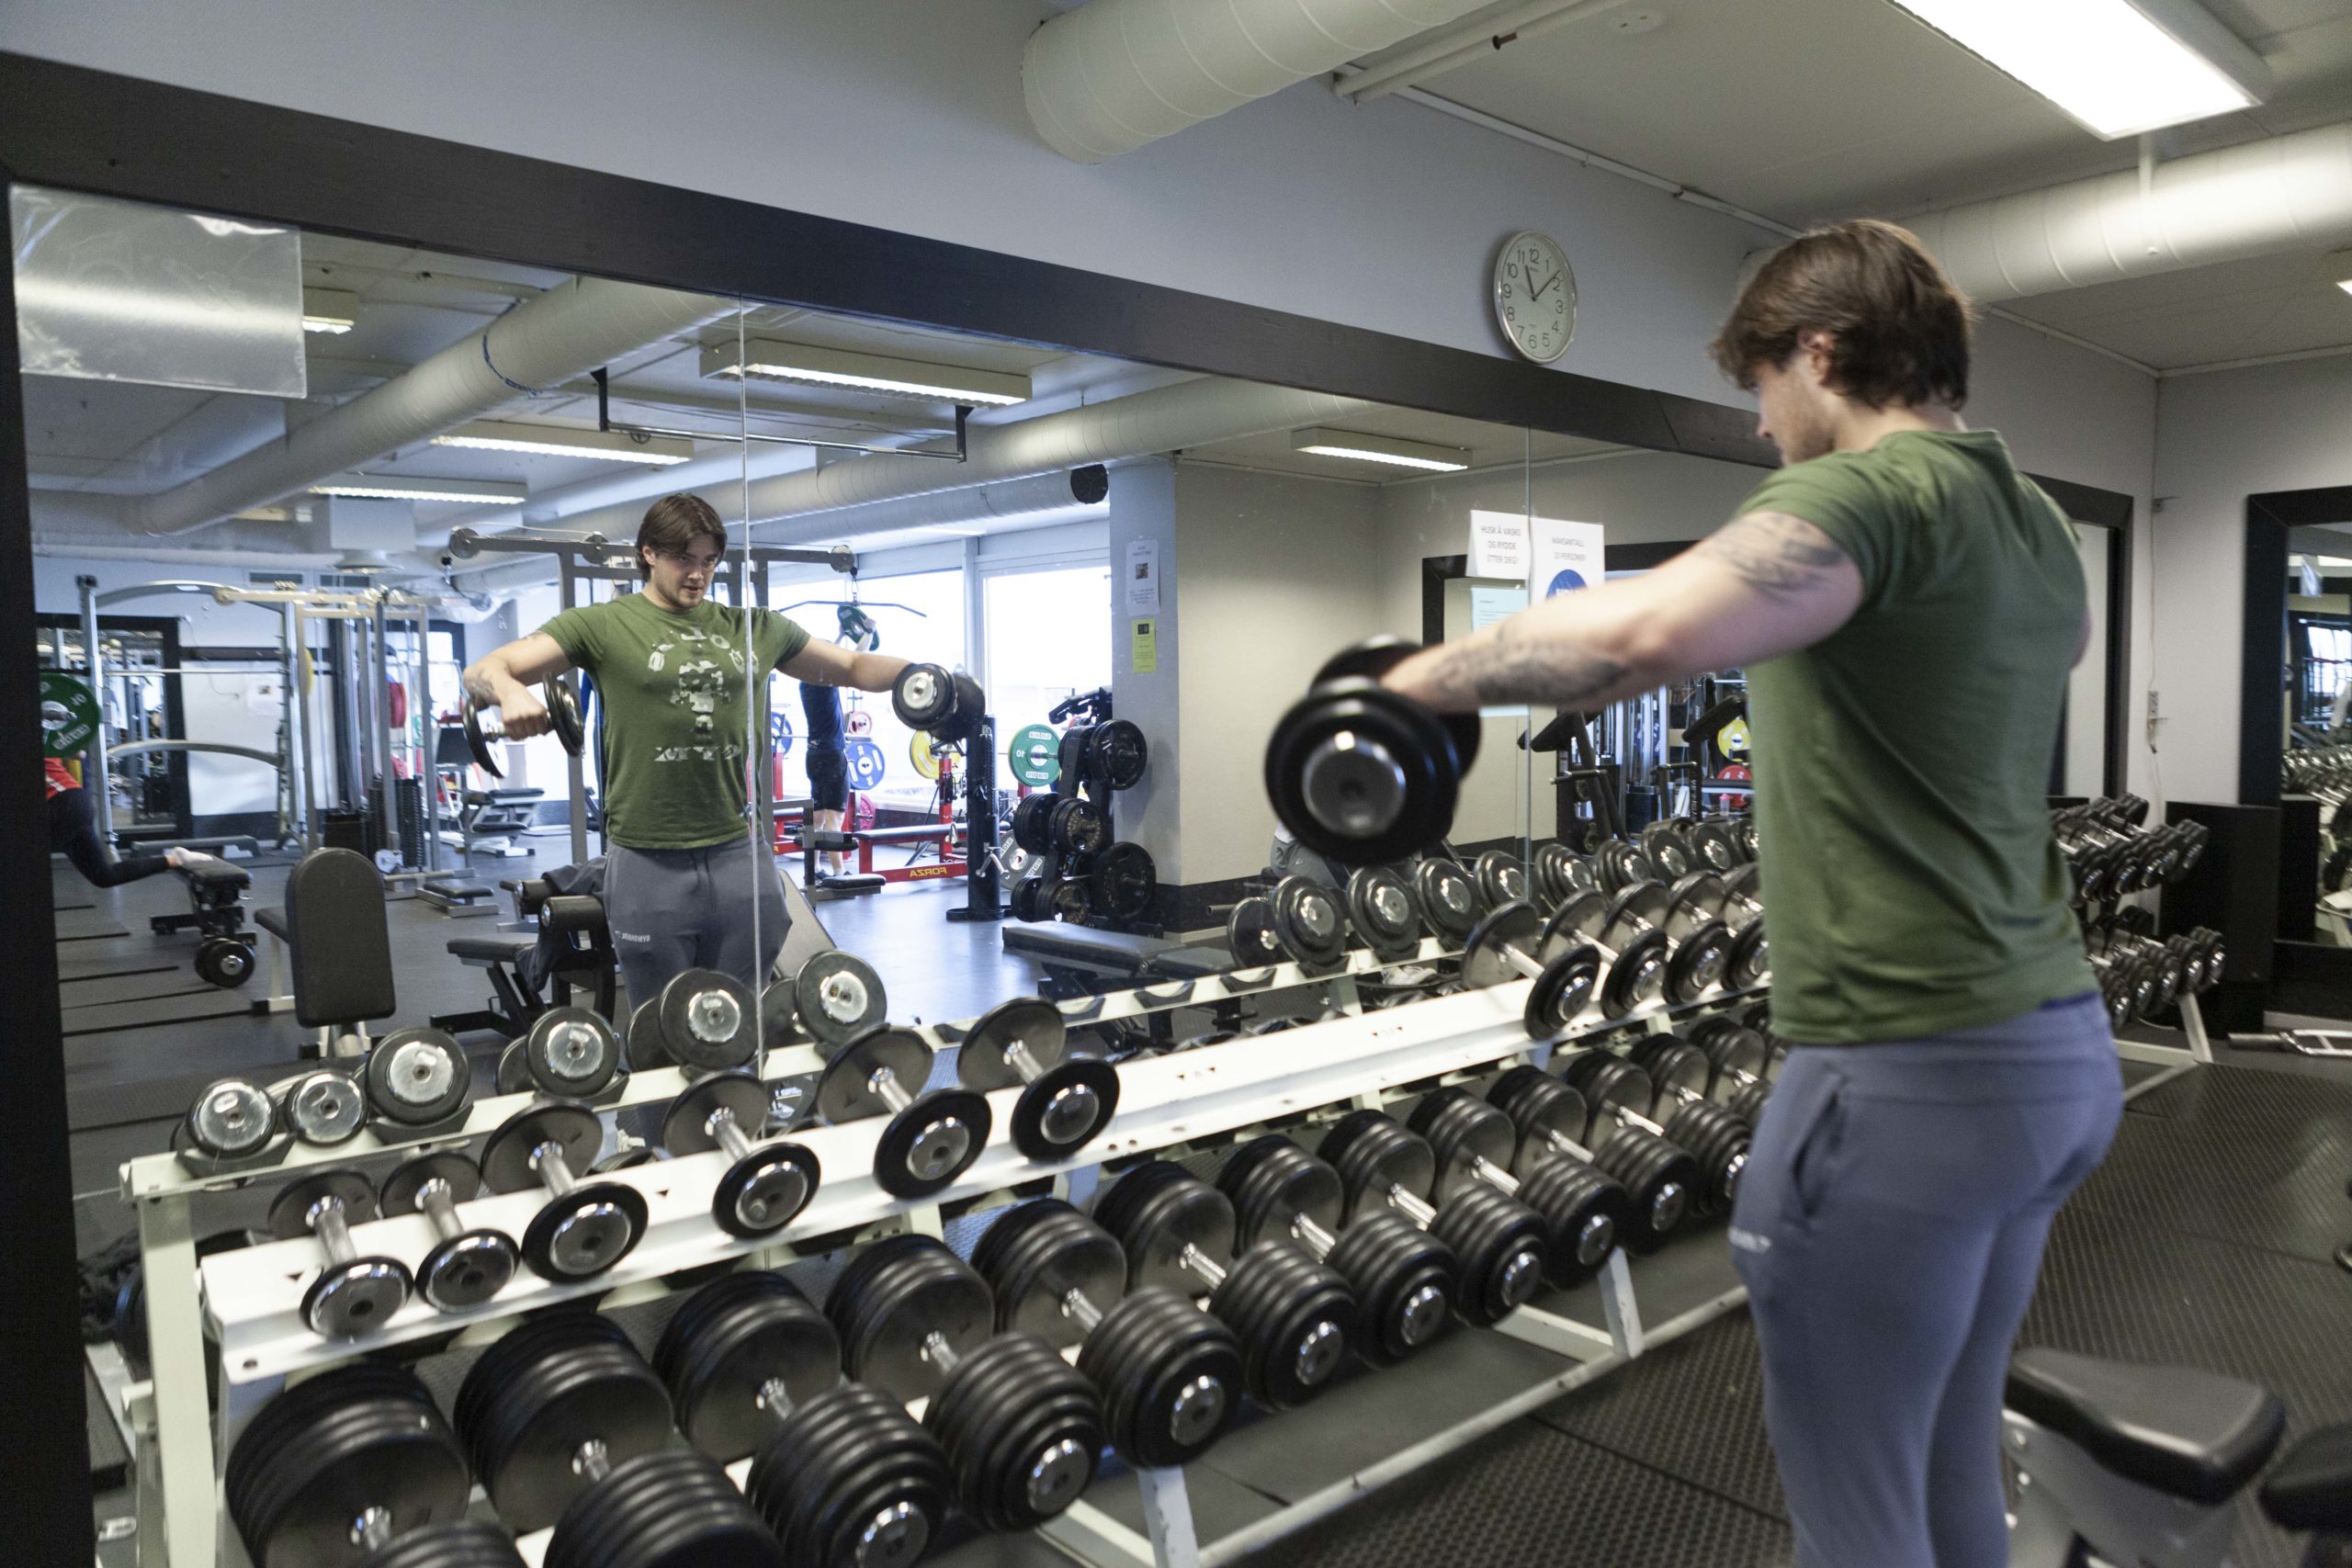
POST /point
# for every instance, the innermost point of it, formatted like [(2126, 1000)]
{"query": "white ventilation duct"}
[(2287, 193), (564, 333), (1113, 74)]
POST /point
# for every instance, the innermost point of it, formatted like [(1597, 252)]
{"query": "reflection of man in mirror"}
[(1907, 605), (686, 871), (73, 833)]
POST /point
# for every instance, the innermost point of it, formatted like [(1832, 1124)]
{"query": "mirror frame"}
[(105, 134)]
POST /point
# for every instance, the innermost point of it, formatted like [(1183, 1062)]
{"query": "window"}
[(1048, 637), (919, 616)]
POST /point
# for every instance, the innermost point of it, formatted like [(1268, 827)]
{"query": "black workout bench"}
[(865, 879), (216, 892), (1080, 961), (516, 1002), (337, 945)]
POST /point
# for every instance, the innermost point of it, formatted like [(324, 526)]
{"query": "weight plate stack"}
[(316, 1457), (1032, 821), (1449, 899), (1309, 922), (457, 1544), (645, 1048), (1116, 754), (541, 1392), (1500, 879), (726, 1341), (1584, 1210), (672, 1508), (1382, 906), (1663, 1179), (1249, 934), (1076, 826), (1023, 1429), (1295, 1319), (1156, 1357), (1719, 1141), (850, 1478), (1500, 1242), (1394, 1266), (1122, 882)]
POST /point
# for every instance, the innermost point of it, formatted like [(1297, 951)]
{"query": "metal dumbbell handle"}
[(1317, 1241), (939, 1352), (775, 1399), (1077, 1307), (1410, 1205), (372, 1531), (438, 1203), (1024, 1061), (1493, 1175), (592, 1461), (888, 1089), (1634, 1118), (726, 1133), (332, 1228), (1520, 959), (1201, 1263), (556, 1176), (1561, 1142)]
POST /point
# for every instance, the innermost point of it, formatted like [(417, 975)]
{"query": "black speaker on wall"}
[(2234, 888), (2298, 867)]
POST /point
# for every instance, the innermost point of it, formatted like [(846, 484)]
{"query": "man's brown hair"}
[(675, 523), (1900, 328)]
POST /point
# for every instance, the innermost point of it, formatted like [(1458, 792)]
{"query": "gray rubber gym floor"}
[(2206, 1238)]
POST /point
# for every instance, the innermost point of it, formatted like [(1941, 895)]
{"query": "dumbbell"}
[(568, 1052), (1583, 1210), (1362, 775), (1715, 845), (841, 1473), (485, 727), (566, 1425), (701, 1019), (769, 1181), (336, 1467), (1449, 899), (1066, 1100), (352, 1295), (1510, 942), (1718, 1138), (1646, 912), (1501, 878), (1659, 1177), (1744, 1065), (927, 696), (1382, 908), (224, 960), (1170, 1375), (586, 1227), (931, 1138), (416, 1078), (1725, 896), (1632, 978), (228, 1119), (1023, 1428), (1296, 1318), (1301, 921), (322, 1106), (1620, 863), (1558, 872), (466, 1267), (1404, 1278), (1669, 851), (2166, 965), (837, 995), (1499, 1240)]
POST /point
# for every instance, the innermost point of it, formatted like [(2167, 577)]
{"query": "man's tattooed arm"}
[(1763, 585)]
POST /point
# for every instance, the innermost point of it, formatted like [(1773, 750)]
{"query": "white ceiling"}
[(1806, 110)]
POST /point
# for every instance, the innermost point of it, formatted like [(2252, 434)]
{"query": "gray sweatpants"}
[(1889, 1228), (675, 910)]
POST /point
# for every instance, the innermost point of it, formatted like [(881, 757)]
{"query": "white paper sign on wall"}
[(1564, 556), (1499, 545)]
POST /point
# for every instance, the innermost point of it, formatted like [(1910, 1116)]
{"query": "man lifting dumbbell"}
[(673, 670), (1906, 606)]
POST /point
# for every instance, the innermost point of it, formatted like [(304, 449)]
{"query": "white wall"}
[(2220, 438)]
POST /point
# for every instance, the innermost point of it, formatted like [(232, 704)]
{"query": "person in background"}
[(828, 764), (73, 833)]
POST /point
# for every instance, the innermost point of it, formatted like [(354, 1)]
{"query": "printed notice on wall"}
[(1563, 556), (1499, 545), (1143, 648), (1143, 577), (1490, 604)]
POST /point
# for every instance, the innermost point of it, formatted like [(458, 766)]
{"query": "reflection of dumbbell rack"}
[(1084, 874)]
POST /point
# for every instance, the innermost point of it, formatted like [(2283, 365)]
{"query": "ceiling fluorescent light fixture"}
[(2346, 285), (2118, 67), (559, 441), (331, 311), (770, 360), (1386, 449), (401, 486)]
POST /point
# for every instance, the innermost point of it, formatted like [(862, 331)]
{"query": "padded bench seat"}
[(1188, 963), (2190, 1434), (504, 948), (1083, 947), (216, 877)]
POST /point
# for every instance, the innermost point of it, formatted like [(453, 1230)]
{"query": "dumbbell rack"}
[(2196, 1050), (251, 1297)]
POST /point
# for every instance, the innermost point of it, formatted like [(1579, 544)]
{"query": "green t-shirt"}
[(1902, 761), (675, 722)]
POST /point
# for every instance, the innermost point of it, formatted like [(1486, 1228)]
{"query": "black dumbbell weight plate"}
[(1562, 991), (708, 1021), (1067, 900), (645, 1048), (1449, 899), (1500, 1242), (779, 1018), (569, 1053), (896, 1292), (1579, 920), (1748, 961), (513, 1072), (1664, 844), (728, 1340), (1672, 1064), (1381, 904), (1406, 1281), (1512, 924), (1637, 976), (1309, 921), (1028, 899), (1714, 846), (1116, 754), (464, 1270), (1296, 1318), (1584, 1211), (1699, 962), (311, 1463), (417, 1077), (1249, 934), (1023, 1429), (588, 1229), (224, 960), (838, 994), (1635, 907), (453, 1544), (923, 696), (1123, 882), (842, 1464), (564, 722), (671, 1509), (1076, 825), (1621, 864), (1691, 900), (1032, 820), (1663, 1180), (1501, 878), (1719, 1141), (1171, 1376), (1362, 775)]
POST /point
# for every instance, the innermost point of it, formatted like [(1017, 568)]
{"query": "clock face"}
[(1535, 297)]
